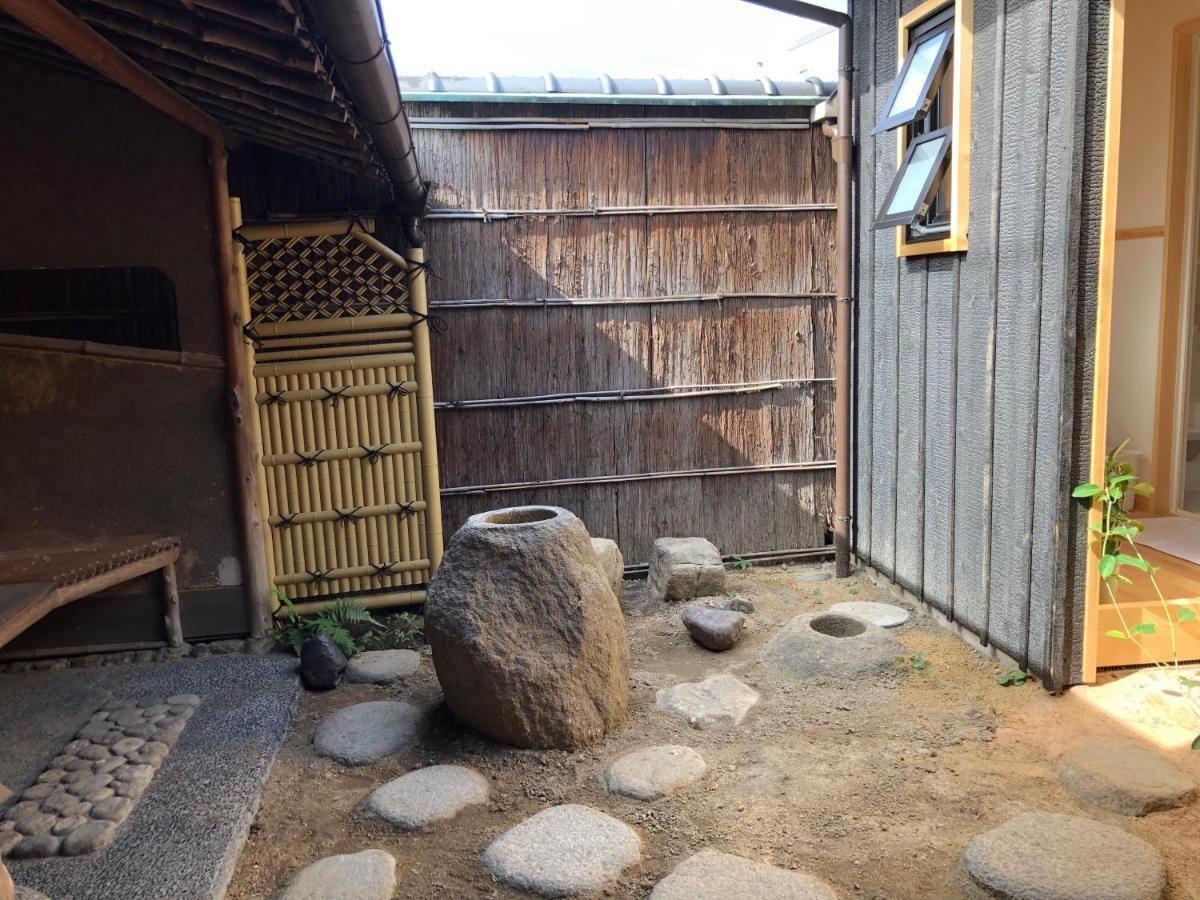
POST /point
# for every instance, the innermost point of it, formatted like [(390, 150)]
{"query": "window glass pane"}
[(908, 192), (924, 57)]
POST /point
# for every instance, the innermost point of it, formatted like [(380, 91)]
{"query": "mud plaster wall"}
[(95, 447)]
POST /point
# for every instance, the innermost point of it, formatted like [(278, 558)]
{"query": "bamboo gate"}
[(338, 336), (639, 312)]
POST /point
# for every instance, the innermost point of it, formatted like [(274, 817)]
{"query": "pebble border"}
[(85, 793)]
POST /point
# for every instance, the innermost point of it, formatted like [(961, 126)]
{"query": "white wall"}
[(1141, 203)]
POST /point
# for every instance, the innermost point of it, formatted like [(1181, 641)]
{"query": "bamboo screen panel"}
[(336, 389)]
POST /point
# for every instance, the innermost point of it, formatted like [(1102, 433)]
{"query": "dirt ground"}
[(875, 785)]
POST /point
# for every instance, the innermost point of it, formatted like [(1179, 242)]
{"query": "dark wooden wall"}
[(523, 351), (969, 411)]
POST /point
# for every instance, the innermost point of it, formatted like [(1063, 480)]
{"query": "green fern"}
[(336, 622)]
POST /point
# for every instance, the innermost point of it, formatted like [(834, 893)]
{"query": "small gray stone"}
[(716, 629), (93, 730), (39, 791), (65, 805), (35, 847), (89, 838), (126, 717), (130, 789), (94, 752), (737, 603), (63, 826), (885, 615), (367, 732), (23, 808), (62, 759), (109, 765), (654, 771), (612, 563), (711, 875), (119, 703), (230, 645), (114, 809), (1125, 777), (200, 651), (111, 737), (50, 776), (718, 701), (157, 709), (78, 744), (831, 644), (1046, 856), (812, 576), (428, 795), (127, 745), (368, 875), (80, 765), (183, 700), (134, 772), (382, 666), (39, 823), (86, 787), (562, 851), (77, 775), (145, 731), (683, 568)]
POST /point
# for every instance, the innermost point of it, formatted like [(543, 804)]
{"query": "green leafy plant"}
[(343, 622), (917, 662), (852, 591), (1013, 678), (402, 631), (816, 592), (1119, 555), (740, 564)]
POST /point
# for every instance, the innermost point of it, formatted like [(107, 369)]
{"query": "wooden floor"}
[(1179, 581)]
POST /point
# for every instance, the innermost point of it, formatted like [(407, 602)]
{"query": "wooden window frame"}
[(955, 240)]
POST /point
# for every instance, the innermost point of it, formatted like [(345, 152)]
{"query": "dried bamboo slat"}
[(343, 574), (334, 354), (354, 390), (318, 366), (430, 477), (370, 601), (267, 330), (338, 454)]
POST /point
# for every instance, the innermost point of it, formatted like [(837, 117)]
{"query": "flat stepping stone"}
[(655, 771), (1046, 856), (711, 875), (428, 795), (715, 702), (367, 732), (382, 666), (829, 643), (369, 875), (563, 851), (1125, 777), (885, 615)]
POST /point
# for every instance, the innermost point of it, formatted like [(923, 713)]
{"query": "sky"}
[(622, 38)]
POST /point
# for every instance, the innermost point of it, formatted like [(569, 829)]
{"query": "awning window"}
[(917, 181), (919, 77)]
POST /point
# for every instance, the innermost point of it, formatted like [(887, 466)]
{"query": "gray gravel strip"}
[(185, 834)]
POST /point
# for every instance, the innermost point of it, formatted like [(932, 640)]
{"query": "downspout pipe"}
[(843, 155), (59, 26), (354, 33)]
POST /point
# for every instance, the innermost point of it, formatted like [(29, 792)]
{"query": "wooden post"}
[(171, 606), (419, 303)]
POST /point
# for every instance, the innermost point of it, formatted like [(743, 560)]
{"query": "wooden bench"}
[(35, 582)]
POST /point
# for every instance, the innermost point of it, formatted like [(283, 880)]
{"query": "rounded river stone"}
[(428, 795), (563, 850), (89, 838), (1046, 856), (368, 875), (382, 666), (367, 732)]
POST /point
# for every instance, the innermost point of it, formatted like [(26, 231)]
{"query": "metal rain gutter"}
[(353, 31)]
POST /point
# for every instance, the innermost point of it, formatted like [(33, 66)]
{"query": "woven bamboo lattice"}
[(336, 389)]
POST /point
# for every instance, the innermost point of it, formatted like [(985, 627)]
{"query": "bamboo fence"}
[(335, 322)]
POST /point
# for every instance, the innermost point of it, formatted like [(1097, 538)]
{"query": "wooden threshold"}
[(1180, 584)]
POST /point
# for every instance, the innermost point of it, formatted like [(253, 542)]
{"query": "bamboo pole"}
[(672, 392), (419, 304), (340, 454), (256, 429), (332, 354), (370, 601), (358, 389), (387, 419), (293, 327), (344, 547), (495, 215), (364, 476), (625, 300), (408, 477), (336, 337), (302, 229), (347, 572), (320, 365)]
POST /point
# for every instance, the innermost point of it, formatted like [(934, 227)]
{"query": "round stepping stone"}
[(368, 875), (1125, 777), (711, 875), (885, 615), (562, 851), (828, 643), (429, 795), (1046, 855), (650, 773), (367, 732), (713, 628), (382, 666), (719, 701)]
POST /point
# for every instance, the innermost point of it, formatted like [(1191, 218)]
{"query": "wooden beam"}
[(55, 24)]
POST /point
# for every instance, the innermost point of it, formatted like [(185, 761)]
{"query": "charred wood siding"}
[(772, 323), (966, 363)]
